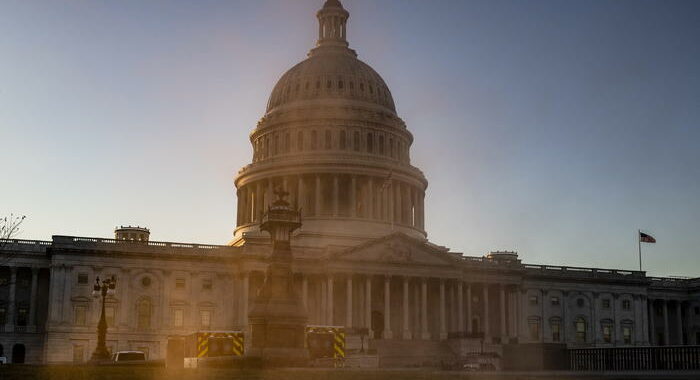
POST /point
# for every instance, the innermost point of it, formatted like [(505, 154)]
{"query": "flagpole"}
[(639, 242)]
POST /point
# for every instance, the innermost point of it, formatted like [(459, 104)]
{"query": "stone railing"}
[(139, 246), (565, 271), (24, 245), (674, 282)]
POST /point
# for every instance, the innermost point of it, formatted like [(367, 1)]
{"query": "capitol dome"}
[(332, 139), (332, 74)]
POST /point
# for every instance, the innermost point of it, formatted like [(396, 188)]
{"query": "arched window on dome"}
[(352, 85), (329, 84), (300, 141), (342, 140), (306, 86), (266, 152), (287, 143), (362, 87), (318, 84), (371, 89), (356, 141), (314, 140), (370, 143), (381, 144), (276, 144), (340, 84), (328, 140), (391, 147)]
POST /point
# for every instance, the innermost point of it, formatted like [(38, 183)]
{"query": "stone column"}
[(335, 195), (323, 305), (443, 330), (502, 312), (652, 328), (55, 282), (679, 317), (329, 303), (348, 301), (244, 298), (270, 193), (460, 307), (32, 299), (301, 198), (368, 306), (416, 310), (353, 197), (67, 306), (258, 207), (406, 329), (317, 207), (451, 307), (123, 288), (666, 327), (10, 322), (397, 203), (487, 330), (370, 198), (387, 307), (305, 292), (645, 321), (390, 202), (425, 334), (469, 309)]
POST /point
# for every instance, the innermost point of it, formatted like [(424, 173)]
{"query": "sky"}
[(553, 128)]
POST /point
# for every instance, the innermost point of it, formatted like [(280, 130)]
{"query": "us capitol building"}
[(331, 137)]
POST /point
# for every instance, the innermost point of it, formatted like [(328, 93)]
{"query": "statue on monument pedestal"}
[(277, 318)]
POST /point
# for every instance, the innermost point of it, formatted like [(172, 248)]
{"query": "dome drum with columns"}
[(332, 139)]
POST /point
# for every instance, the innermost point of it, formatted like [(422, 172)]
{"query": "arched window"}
[(276, 144), (143, 309), (328, 139), (300, 141), (391, 147), (287, 144), (381, 145), (370, 143), (356, 141), (580, 330)]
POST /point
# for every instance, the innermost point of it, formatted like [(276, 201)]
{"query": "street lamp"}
[(102, 288)]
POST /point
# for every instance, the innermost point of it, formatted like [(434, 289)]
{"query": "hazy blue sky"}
[(554, 128)]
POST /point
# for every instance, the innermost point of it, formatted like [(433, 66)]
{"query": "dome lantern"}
[(332, 22)]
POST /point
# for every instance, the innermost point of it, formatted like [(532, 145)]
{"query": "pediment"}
[(397, 248)]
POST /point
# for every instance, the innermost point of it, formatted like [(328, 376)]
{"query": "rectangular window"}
[(178, 318), (22, 316), (3, 315), (556, 331), (533, 300), (82, 278), (78, 353), (534, 329), (206, 284), (205, 318), (80, 315), (606, 303), (555, 301), (109, 315), (626, 305), (4, 280), (179, 283), (627, 334), (607, 334)]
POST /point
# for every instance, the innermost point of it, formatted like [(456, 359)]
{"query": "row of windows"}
[(207, 283), (281, 143), (340, 84), (580, 302), (144, 314), (580, 326)]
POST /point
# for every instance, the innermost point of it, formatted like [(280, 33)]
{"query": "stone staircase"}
[(412, 353)]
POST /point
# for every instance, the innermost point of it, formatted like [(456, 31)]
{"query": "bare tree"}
[(9, 228)]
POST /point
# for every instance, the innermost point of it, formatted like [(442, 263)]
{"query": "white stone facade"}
[(332, 138)]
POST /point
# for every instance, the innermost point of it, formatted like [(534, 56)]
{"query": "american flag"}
[(645, 238)]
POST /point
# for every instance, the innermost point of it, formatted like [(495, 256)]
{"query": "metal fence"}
[(635, 358)]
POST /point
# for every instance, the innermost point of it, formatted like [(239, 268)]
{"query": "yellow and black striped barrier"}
[(211, 344), (336, 349)]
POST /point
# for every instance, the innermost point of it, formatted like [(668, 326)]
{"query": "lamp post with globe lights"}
[(102, 289)]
